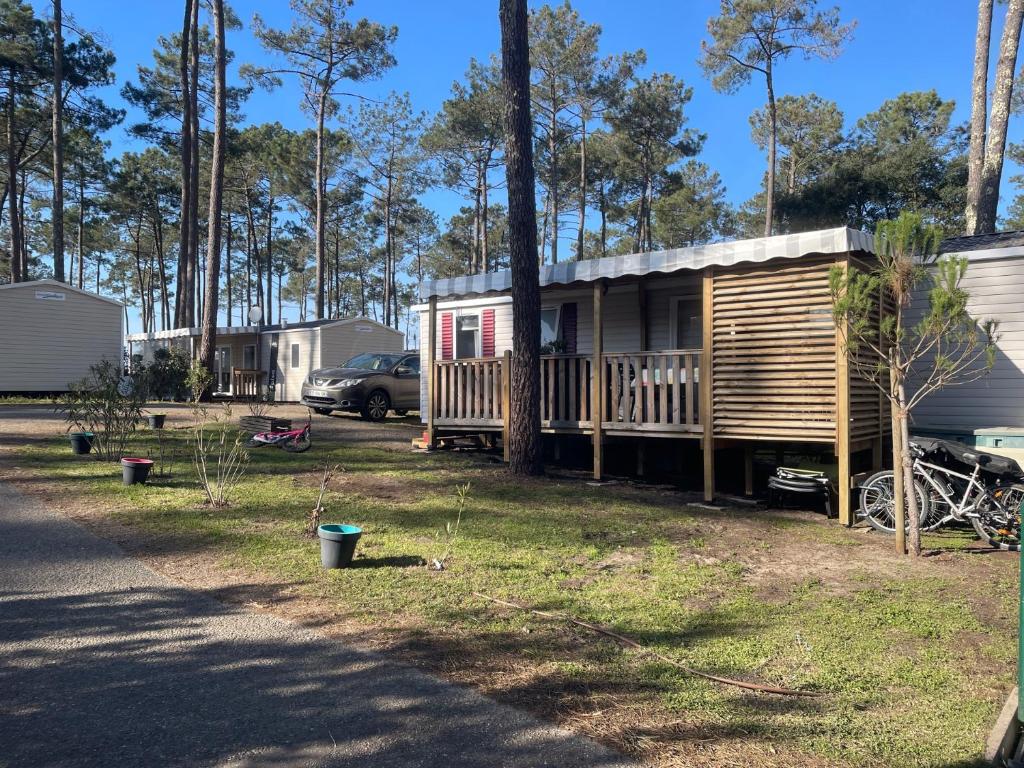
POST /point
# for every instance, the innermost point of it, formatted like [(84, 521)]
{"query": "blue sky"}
[(899, 45)]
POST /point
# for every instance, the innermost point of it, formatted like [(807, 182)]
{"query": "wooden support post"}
[(597, 374), (506, 403), (707, 411), (431, 372), (842, 446), (748, 469)]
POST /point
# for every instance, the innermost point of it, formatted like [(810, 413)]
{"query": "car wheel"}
[(376, 406), (322, 411)]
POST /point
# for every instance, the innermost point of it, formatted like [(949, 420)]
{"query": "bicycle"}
[(291, 440), (945, 495)]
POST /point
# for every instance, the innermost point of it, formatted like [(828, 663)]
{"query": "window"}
[(467, 336), (686, 322), (249, 357), (295, 355), (413, 361), (549, 325), (371, 361)]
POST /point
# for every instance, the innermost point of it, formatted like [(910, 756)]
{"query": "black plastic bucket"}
[(338, 544), (156, 420), (135, 470), (81, 442)]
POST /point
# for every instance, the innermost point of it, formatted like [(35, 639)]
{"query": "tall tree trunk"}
[(81, 230), (208, 340), (17, 269), (979, 115), (227, 265), (581, 228), (180, 283), (270, 258), (478, 251), (158, 241), (58, 142), (248, 268), (524, 426), (992, 170), (769, 197), (485, 250), (543, 230), (603, 202), (192, 273), (321, 190), (553, 176), (899, 490)]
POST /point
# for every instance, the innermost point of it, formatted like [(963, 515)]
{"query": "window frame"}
[(478, 346), (245, 349), (673, 318), (294, 356), (557, 308)]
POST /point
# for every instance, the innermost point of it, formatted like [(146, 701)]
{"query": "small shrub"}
[(451, 528), (263, 403), (166, 377), (107, 403), (313, 521), (219, 455)]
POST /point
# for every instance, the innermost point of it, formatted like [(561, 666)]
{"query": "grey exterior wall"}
[(45, 344), (996, 288)]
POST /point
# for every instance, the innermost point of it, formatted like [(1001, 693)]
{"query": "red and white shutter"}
[(487, 333), (446, 336)]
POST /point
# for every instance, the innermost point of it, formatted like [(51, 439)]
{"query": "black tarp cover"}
[(949, 450)]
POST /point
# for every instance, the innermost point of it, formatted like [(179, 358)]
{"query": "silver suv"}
[(370, 384)]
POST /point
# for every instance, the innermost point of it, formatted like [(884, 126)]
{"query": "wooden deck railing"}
[(565, 391), (469, 391), (246, 383), (642, 391)]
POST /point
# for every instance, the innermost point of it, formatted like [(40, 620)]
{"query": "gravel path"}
[(105, 663)]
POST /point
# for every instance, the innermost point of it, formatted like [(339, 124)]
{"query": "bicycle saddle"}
[(981, 459)]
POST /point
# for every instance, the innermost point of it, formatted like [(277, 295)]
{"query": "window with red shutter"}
[(446, 336), (487, 338)]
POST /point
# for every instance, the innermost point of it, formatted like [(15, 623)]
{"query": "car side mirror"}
[(402, 370)]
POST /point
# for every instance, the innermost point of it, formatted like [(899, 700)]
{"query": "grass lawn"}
[(912, 660)]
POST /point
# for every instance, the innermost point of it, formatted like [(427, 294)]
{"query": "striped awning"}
[(839, 240)]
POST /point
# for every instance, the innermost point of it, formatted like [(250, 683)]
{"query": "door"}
[(407, 384), (222, 370)]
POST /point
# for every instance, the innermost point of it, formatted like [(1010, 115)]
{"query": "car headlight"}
[(348, 382)]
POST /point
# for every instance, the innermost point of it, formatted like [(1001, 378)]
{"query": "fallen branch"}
[(644, 649)]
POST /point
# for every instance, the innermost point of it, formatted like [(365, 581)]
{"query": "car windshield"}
[(372, 361)]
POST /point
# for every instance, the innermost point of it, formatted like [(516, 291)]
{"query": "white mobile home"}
[(51, 334), (988, 412), (280, 356)]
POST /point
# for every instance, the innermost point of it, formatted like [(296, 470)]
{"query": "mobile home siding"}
[(341, 342), (47, 344), (997, 399)]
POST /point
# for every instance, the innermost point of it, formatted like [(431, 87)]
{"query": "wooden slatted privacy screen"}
[(869, 408), (774, 352)]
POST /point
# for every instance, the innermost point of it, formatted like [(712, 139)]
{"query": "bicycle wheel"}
[(998, 522), (876, 502), (297, 446)]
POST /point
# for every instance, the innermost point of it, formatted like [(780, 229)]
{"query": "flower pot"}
[(337, 544), (156, 420), (135, 470), (81, 442)]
